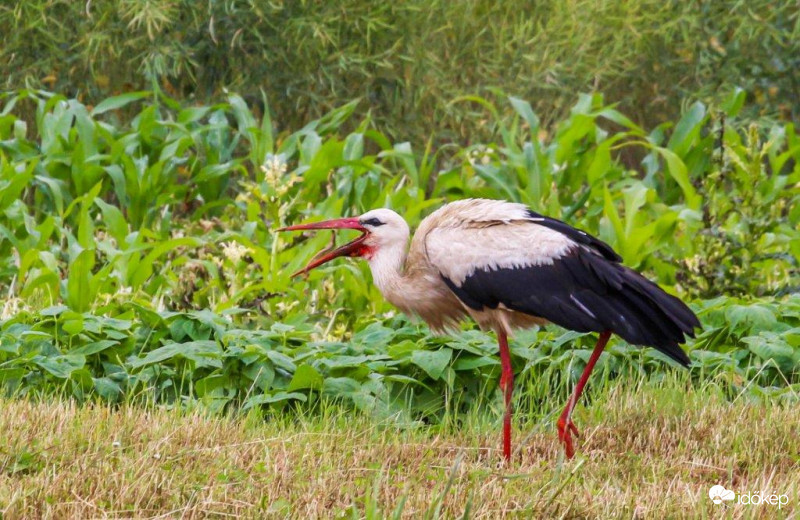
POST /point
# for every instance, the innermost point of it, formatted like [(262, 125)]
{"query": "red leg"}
[(565, 425), (507, 385)]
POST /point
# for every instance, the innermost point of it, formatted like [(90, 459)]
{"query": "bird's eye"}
[(372, 222)]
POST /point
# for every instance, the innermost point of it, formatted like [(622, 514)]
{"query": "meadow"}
[(147, 297), (156, 359)]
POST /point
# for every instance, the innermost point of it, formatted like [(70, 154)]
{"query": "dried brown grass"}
[(648, 451)]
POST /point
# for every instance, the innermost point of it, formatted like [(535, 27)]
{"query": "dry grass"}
[(649, 451)]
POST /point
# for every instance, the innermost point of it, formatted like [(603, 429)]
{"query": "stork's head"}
[(381, 230)]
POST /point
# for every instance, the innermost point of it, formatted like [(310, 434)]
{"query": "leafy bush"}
[(388, 366), (139, 257)]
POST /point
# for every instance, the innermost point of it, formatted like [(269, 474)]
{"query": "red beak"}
[(353, 248)]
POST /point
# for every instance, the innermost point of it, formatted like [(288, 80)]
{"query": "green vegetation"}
[(146, 296), (140, 258), (409, 60)]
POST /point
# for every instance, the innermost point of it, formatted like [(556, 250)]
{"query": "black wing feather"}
[(581, 237), (586, 290)]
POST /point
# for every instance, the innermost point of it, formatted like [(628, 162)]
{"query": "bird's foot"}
[(565, 430)]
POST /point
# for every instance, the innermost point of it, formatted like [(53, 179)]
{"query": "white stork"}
[(508, 267)]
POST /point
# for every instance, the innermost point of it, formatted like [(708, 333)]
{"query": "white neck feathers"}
[(387, 265)]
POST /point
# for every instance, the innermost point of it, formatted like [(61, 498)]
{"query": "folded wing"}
[(514, 258)]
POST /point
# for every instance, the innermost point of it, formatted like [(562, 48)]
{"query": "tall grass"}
[(408, 60)]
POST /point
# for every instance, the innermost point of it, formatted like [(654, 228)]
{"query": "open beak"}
[(353, 248)]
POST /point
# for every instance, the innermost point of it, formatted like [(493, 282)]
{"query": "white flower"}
[(234, 251), (274, 168), (116, 444), (11, 308), (286, 307)]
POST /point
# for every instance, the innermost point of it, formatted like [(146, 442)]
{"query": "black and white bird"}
[(508, 267)]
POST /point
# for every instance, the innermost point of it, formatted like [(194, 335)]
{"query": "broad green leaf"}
[(433, 362), (61, 366), (749, 318), (73, 326), (771, 346), (107, 388), (473, 362), (11, 374), (203, 353), (340, 386), (94, 347), (262, 374), (208, 385), (305, 377)]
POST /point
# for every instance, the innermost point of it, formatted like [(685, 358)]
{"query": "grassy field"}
[(649, 450), (156, 359)]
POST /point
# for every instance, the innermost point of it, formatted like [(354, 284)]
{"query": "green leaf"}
[(94, 347), (473, 362), (203, 353), (261, 373), (11, 374), (734, 102), (771, 346), (305, 377), (107, 388), (113, 219), (116, 102), (61, 366), (192, 114), (619, 118), (328, 157), (433, 362), (340, 386), (208, 385), (687, 129), (79, 295), (524, 109), (56, 189), (54, 310), (275, 398), (746, 318), (73, 326), (353, 147), (677, 170)]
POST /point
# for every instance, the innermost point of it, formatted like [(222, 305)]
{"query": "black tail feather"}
[(660, 320)]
